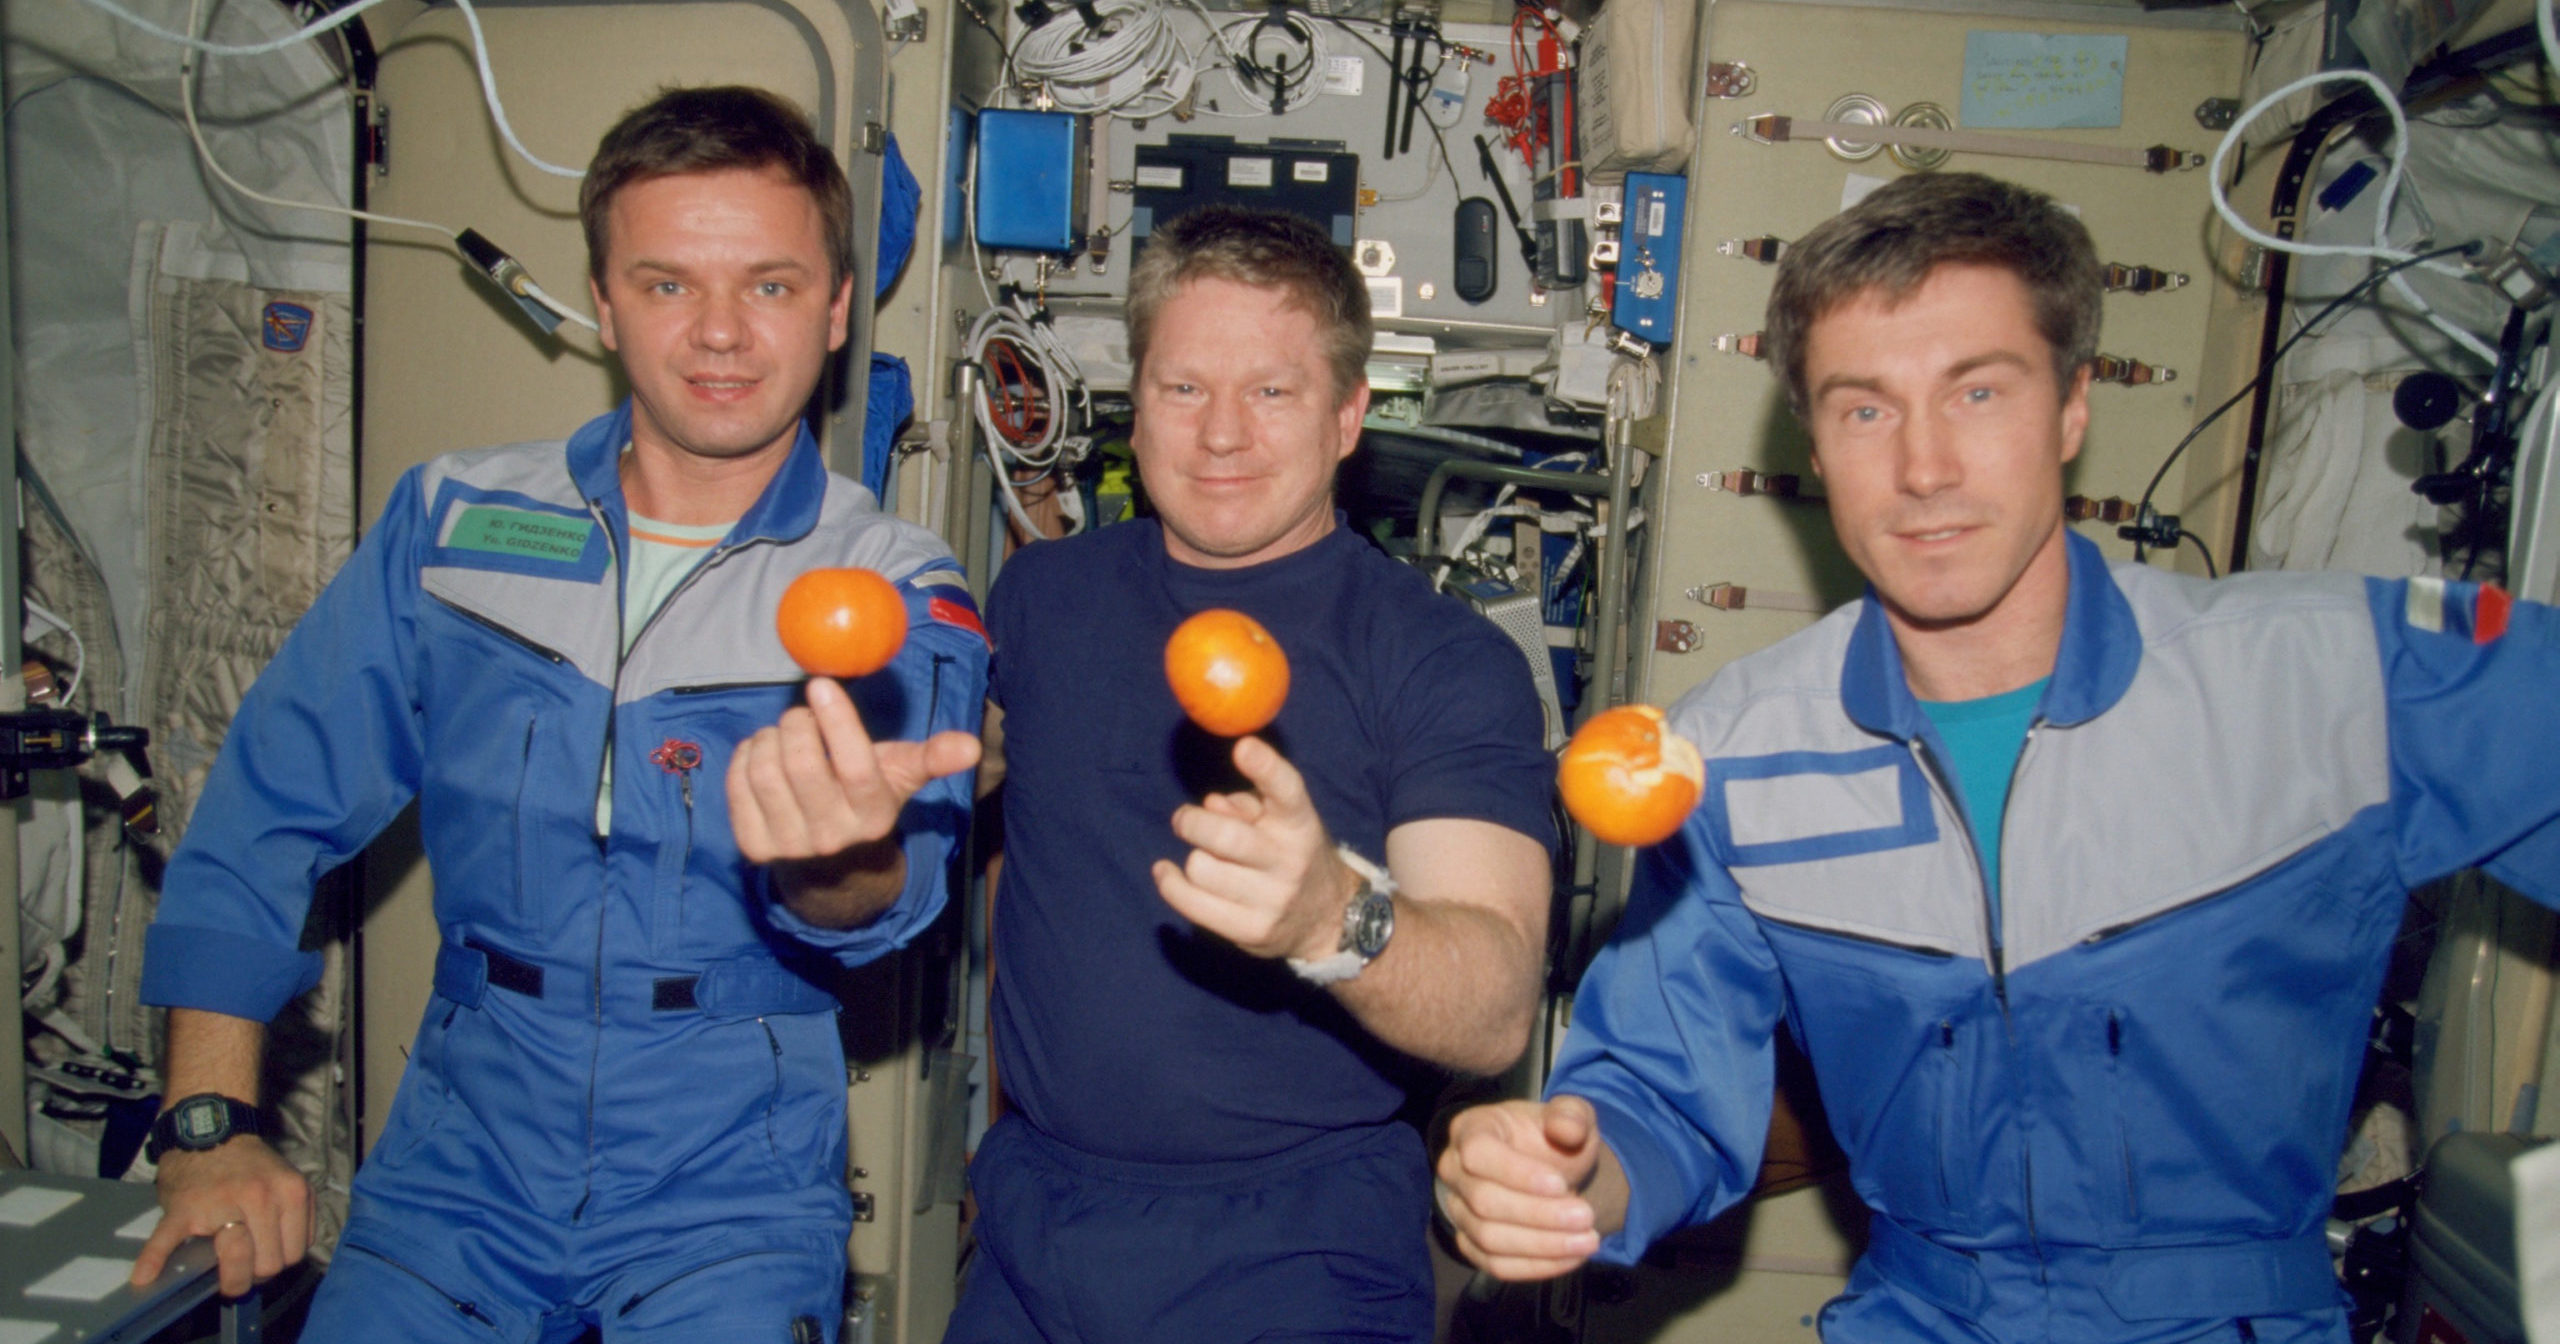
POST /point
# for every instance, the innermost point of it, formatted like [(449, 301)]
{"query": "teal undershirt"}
[(1983, 740)]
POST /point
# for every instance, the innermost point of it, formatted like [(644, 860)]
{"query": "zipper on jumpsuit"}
[(595, 510), (1938, 780)]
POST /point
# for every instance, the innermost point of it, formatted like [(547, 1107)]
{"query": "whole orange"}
[(1629, 778), (1228, 673), (841, 622)]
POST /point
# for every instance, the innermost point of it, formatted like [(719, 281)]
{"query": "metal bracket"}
[(1676, 636), (2129, 372), (1730, 79), (2141, 279), (2217, 114), (875, 138)]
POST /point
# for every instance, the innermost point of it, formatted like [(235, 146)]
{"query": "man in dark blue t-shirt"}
[(1220, 966)]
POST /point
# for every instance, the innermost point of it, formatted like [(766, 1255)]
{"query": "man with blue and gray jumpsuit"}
[(651, 841), (2075, 880)]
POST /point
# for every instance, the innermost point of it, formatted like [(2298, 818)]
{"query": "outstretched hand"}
[(1513, 1182), (1261, 873), (814, 785)]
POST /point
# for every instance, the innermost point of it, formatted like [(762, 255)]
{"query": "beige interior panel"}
[(1725, 410)]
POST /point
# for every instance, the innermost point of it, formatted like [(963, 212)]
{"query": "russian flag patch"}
[(2478, 611), (957, 611)]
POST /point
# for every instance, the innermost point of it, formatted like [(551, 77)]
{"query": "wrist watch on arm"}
[(202, 1123), (1368, 920)]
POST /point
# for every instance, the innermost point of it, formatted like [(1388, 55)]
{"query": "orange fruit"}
[(841, 622), (1629, 778), (1228, 673)]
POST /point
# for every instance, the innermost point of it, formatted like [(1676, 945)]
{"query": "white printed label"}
[(1248, 172), (1160, 176), (1310, 170), (1343, 74), (1653, 216), (1386, 296)]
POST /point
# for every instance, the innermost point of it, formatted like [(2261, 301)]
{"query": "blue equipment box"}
[(1031, 168), (1647, 301)]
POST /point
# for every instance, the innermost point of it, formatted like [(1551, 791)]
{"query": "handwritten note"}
[(2043, 81)]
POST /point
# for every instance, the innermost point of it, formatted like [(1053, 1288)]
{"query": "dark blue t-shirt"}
[(1119, 1029)]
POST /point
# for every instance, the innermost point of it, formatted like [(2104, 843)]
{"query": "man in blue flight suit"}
[(625, 1107), (2074, 880)]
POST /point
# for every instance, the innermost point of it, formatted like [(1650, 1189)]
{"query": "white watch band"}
[(1345, 964)]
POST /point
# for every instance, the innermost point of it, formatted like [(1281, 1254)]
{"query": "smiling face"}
[(715, 293), (1940, 431), (1239, 425)]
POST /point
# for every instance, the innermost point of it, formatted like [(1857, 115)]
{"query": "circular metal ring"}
[(1856, 109), (1928, 116)]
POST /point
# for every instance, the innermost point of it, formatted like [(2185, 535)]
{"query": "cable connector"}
[(510, 276), (1763, 249), (2150, 527)]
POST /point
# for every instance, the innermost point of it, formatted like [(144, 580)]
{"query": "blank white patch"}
[(1799, 807), (88, 1278), (27, 1332), (143, 1225), (29, 1205)]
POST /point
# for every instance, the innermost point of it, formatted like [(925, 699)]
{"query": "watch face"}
[(1372, 921), (201, 1122)]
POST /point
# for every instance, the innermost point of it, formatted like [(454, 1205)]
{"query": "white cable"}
[(479, 51), (1134, 66), (543, 296), (2396, 150), (79, 651), (1045, 356), (1300, 94), (204, 152), (195, 131), (187, 39), (489, 90)]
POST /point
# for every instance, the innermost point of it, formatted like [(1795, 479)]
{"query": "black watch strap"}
[(201, 1122)]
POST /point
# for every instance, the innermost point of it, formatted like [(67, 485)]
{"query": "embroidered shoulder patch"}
[(525, 532)]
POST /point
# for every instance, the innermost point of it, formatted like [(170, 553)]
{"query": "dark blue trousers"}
[(1322, 1242)]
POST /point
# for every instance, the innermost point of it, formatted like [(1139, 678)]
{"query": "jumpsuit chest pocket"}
[(701, 901), (507, 795)]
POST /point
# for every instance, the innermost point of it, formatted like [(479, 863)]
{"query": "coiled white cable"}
[(1133, 66), (2396, 151), (1300, 93)]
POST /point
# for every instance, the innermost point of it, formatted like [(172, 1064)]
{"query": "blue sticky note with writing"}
[(2043, 81)]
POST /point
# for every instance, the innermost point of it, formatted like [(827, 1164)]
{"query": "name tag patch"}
[(527, 533), (1805, 806)]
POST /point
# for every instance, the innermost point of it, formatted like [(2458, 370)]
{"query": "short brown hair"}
[(1265, 249), (709, 130), (1890, 242)]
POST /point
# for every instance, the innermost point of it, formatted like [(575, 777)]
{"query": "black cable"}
[(2211, 571), (2267, 369), (1437, 136)]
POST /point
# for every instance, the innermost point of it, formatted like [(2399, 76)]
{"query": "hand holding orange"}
[(1227, 672), (841, 622), (1629, 778)]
